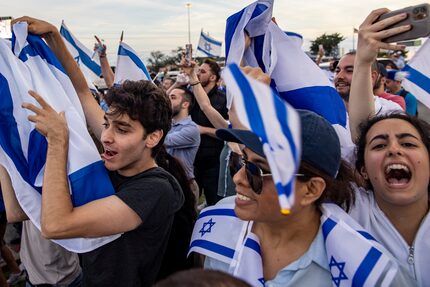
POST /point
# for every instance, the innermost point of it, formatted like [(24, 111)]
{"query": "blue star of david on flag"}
[(340, 266), (262, 281), (207, 227), (77, 60), (208, 47)]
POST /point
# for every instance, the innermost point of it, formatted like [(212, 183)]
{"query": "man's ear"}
[(185, 105), (374, 75), (213, 78), (154, 138), (314, 189)]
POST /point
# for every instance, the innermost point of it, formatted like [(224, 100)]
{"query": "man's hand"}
[(47, 121), (99, 47), (372, 32), (257, 73), (36, 26)]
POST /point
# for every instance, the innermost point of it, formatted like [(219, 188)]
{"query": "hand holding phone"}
[(417, 17), (188, 54)]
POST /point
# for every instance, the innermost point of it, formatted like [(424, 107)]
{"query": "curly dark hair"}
[(338, 190), (144, 102), (421, 126)]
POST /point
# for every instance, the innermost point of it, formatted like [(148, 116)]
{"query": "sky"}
[(163, 25)]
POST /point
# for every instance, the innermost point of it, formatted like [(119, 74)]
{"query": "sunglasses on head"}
[(254, 173)]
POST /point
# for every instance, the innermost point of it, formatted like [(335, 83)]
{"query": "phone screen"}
[(5, 27)]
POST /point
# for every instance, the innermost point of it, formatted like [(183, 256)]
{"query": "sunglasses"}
[(254, 173)]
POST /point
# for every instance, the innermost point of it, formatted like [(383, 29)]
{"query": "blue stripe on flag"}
[(251, 243), (292, 34), (327, 227), (418, 78), (137, 61), (366, 235), (37, 151), (85, 59), (9, 135), (366, 267), (90, 183), (230, 29), (210, 40), (37, 47), (251, 104), (258, 51), (206, 52), (216, 248), (223, 211), (316, 99)]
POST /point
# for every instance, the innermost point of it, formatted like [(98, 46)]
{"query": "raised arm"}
[(93, 113), (370, 35), (107, 72), (14, 212), (202, 98)]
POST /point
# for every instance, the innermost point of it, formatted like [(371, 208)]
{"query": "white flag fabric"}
[(275, 122), (129, 66), (418, 81), (33, 66), (83, 56), (209, 46), (296, 78), (354, 257)]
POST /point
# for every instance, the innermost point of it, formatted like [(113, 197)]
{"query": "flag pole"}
[(122, 36), (353, 39)]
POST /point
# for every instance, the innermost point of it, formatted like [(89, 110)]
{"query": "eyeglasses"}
[(254, 173)]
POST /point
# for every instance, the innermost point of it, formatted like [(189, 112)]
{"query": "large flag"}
[(209, 46), (129, 66), (33, 66), (296, 78), (418, 81), (83, 56), (276, 123)]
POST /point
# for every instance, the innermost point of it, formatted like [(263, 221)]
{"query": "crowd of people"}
[(174, 148)]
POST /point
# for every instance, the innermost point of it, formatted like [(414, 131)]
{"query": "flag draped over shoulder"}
[(83, 56), (296, 78), (418, 81), (209, 46), (275, 122), (32, 66), (129, 66), (354, 257)]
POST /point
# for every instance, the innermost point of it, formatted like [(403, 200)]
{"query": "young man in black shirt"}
[(131, 131)]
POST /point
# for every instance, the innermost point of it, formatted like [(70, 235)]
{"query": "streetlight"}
[(188, 5)]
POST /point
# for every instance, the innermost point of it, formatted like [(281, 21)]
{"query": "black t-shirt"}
[(210, 147), (134, 259)]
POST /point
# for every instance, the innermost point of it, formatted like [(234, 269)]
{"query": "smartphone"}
[(418, 18), (5, 27), (188, 54)]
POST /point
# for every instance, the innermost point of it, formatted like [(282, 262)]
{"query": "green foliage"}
[(330, 43)]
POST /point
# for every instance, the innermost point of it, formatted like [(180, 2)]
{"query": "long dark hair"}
[(338, 190), (421, 126)]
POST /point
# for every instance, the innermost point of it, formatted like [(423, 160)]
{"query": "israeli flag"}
[(355, 258), (83, 56), (209, 46), (129, 66), (33, 66), (418, 81), (296, 78), (276, 123)]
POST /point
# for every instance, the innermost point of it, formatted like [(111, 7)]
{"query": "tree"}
[(330, 43), (156, 60)]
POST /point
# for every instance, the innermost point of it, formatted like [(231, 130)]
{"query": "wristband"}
[(193, 84)]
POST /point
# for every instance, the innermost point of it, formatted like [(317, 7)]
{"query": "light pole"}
[(188, 5)]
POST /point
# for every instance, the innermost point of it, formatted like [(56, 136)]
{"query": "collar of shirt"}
[(315, 253), (184, 121)]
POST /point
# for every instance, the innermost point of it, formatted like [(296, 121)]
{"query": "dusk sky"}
[(162, 25)]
